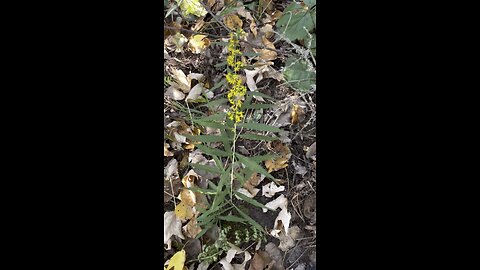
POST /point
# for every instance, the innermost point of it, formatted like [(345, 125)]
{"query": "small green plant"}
[(234, 169)]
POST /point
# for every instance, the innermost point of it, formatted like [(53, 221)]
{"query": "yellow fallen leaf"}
[(198, 43), (192, 7), (183, 211), (189, 146), (297, 112), (232, 21), (177, 261)]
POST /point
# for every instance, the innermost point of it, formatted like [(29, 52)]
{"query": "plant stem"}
[(233, 160)]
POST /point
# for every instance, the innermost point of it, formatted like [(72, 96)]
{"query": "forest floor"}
[(195, 53)]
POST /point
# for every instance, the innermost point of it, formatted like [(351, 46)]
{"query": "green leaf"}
[(310, 3), (258, 106), (221, 64), (203, 190), (218, 162), (252, 165), (214, 117), (212, 185), (251, 54), (292, 23), (249, 219), (212, 151), (251, 201), (256, 137), (221, 43), (206, 138), (261, 127), (217, 85), (232, 218), (259, 94), (215, 103), (209, 124), (205, 168), (297, 74)]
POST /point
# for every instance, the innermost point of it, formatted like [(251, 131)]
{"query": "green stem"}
[(233, 160)]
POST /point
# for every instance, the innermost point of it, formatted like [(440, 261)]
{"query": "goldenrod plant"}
[(234, 169)]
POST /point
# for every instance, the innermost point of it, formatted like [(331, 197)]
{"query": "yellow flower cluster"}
[(237, 90)]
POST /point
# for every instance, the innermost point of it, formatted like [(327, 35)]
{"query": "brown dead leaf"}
[(232, 21), (252, 182), (188, 197), (242, 11), (267, 30), (191, 229), (261, 261), (284, 155), (268, 55)]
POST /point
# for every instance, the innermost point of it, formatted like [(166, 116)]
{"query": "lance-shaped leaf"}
[(252, 165)]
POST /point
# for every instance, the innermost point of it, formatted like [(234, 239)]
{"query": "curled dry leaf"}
[(190, 178), (174, 93), (242, 11), (176, 42), (198, 43), (171, 178), (166, 152), (261, 71), (195, 93), (192, 229), (225, 262), (282, 221), (312, 151), (171, 226), (270, 189), (181, 82), (252, 182)]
